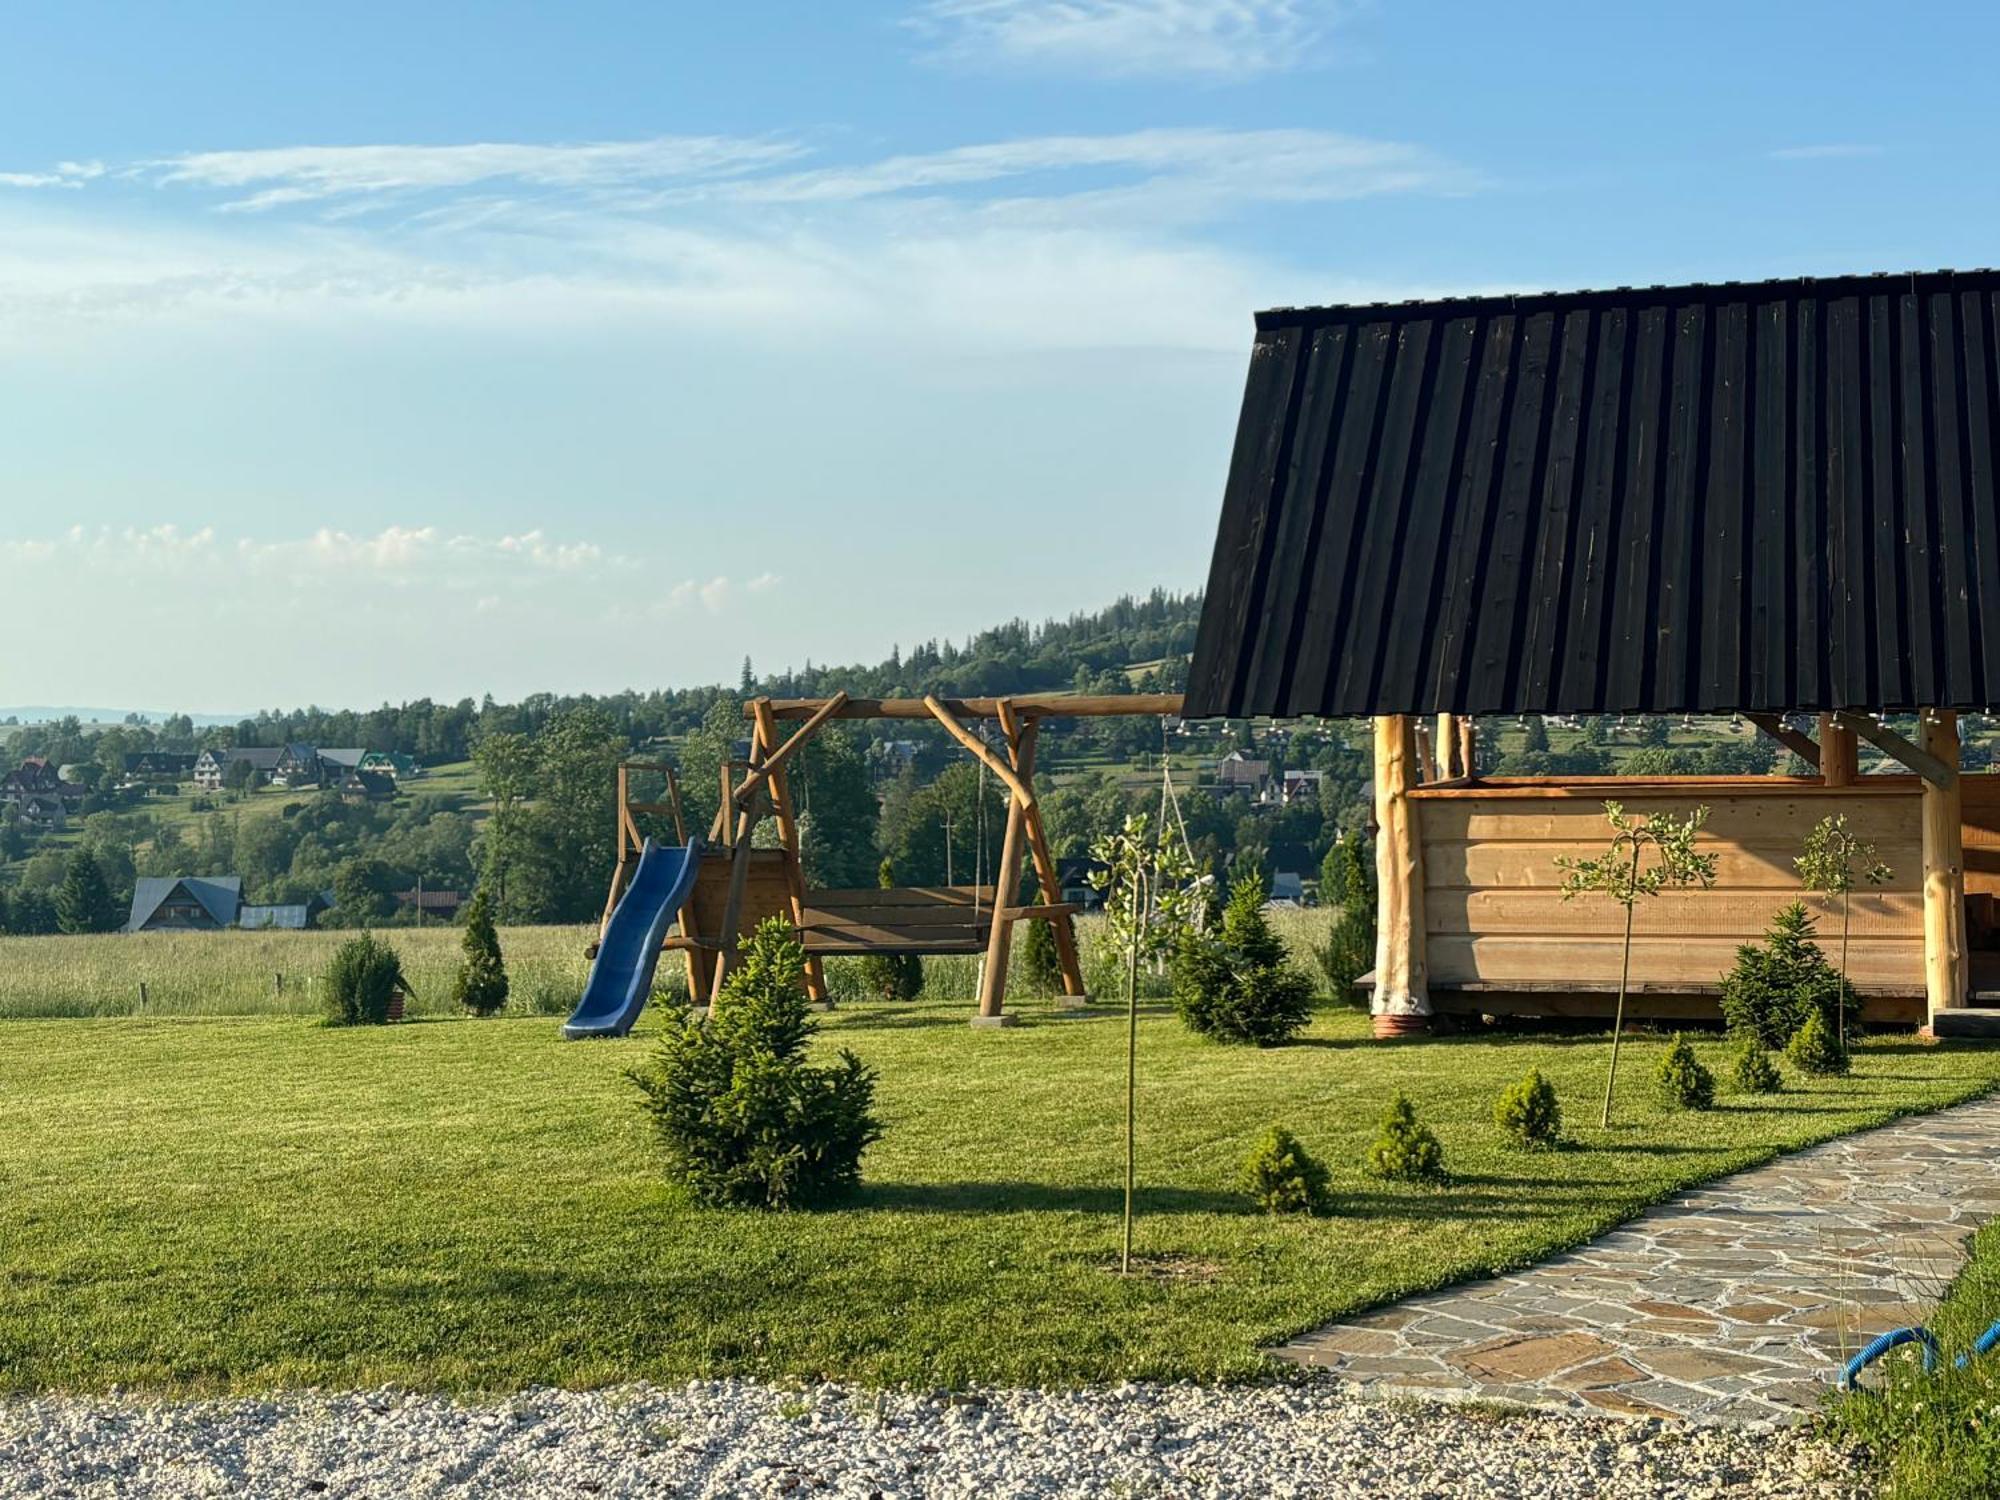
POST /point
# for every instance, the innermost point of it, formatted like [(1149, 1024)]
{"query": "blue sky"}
[(368, 351)]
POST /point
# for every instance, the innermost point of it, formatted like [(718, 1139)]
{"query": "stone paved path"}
[(1735, 1302)]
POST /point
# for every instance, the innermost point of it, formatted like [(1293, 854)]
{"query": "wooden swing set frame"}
[(739, 885)]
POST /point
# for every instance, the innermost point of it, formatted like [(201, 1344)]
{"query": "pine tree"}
[(1237, 986), (481, 986), (84, 902)]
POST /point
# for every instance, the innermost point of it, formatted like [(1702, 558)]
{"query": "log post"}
[(1007, 883), (1402, 1002), (1945, 963), (780, 784), (1447, 746), (1839, 758)]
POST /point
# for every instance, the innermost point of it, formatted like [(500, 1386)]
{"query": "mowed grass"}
[(213, 1204)]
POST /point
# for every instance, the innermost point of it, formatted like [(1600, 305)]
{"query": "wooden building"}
[(1776, 499)]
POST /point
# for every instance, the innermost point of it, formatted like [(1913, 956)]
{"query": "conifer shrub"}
[(1039, 964), (1755, 1072), (481, 985), (1681, 1082), (360, 982), (1529, 1112), (1815, 1050), (1347, 879), (1235, 984), (1283, 1177), (743, 1116), (891, 976), (1776, 984), (1405, 1149)]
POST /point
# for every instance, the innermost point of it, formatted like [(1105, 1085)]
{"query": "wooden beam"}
[(779, 754), (981, 750), (788, 837), (1047, 909), (1839, 762), (620, 870), (1934, 770), (1402, 997), (1945, 963), (1006, 892), (1027, 705), (1799, 744)]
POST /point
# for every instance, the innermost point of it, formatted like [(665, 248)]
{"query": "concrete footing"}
[(1003, 1019)]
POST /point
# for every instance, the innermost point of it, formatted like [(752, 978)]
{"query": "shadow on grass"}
[(1040, 1197)]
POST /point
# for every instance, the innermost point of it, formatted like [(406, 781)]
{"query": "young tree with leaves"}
[(1828, 865), (1626, 874), (1150, 897)]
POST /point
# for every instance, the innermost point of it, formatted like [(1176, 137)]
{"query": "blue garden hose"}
[(1896, 1337), (1981, 1345)]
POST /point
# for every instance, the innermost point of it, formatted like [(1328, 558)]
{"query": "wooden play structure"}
[(739, 884), (1778, 499)]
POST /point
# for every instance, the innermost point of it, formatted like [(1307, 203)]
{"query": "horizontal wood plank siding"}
[(1494, 913)]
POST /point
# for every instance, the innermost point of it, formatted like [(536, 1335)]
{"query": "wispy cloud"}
[(1216, 39), (1061, 241), (1827, 152), (304, 174), (409, 553), (64, 174), (1252, 165)]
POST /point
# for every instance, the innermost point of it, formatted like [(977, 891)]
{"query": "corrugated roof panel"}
[(1769, 496)]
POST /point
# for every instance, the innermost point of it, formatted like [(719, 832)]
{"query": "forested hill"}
[(1087, 652)]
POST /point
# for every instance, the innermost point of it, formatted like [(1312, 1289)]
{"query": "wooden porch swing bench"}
[(739, 885)]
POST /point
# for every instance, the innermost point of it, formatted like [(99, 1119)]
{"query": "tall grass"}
[(278, 973), (261, 973)]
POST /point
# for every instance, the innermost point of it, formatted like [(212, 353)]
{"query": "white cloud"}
[(1220, 39), (763, 583), (413, 553), (1053, 242), (1827, 152), (303, 174), (1247, 165), (67, 174)]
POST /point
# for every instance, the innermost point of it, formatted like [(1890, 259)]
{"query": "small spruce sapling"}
[(1830, 862), (1529, 1112), (1755, 1072), (1681, 1081), (481, 985), (1624, 873), (1405, 1149), (1814, 1049), (1283, 1177)]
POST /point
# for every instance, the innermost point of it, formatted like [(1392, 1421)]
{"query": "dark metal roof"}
[(1775, 495)]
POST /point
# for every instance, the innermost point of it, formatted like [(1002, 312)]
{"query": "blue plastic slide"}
[(621, 976)]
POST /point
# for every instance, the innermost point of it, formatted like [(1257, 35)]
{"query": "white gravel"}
[(739, 1438)]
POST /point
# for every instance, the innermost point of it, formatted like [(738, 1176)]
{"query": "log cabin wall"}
[(1495, 917)]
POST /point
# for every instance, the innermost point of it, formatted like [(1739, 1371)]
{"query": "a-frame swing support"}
[(739, 883)]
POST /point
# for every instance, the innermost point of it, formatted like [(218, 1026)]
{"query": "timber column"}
[(1402, 1003), (1945, 963), (1839, 757)]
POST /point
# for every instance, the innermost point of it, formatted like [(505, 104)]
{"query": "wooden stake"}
[(1945, 964), (1402, 990)]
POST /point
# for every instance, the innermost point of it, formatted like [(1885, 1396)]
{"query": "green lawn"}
[(1935, 1437), (235, 1203)]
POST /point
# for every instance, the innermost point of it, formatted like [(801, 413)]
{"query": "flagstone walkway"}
[(1732, 1303)]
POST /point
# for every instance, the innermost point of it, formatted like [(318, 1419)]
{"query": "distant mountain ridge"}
[(47, 713)]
